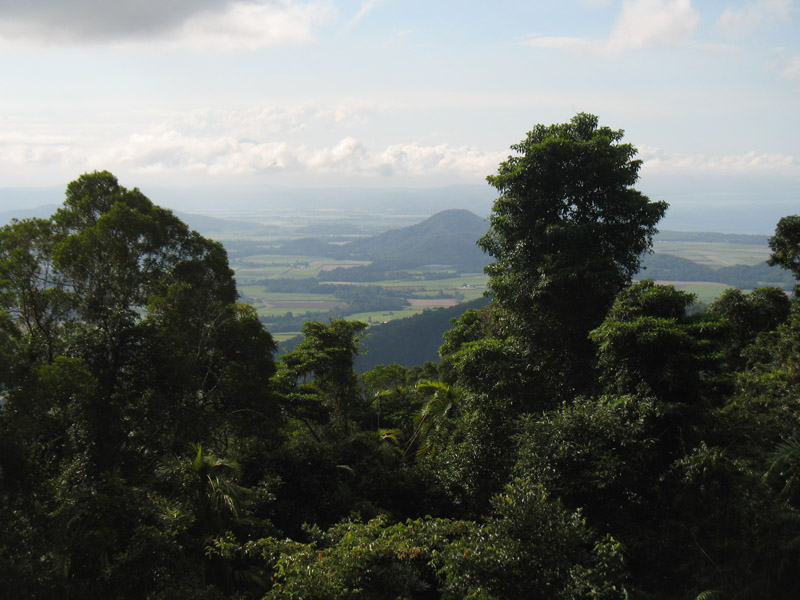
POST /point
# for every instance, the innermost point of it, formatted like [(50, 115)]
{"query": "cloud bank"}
[(791, 70), (262, 140), (640, 24), (217, 23), (657, 161), (270, 140), (743, 20)]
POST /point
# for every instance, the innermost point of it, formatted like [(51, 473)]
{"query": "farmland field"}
[(300, 280), (254, 272), (267, 266), (704, 291), (715, 254)]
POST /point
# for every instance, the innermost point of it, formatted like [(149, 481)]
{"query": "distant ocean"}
[(734, 204)]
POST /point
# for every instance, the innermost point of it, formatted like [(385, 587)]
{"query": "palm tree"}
[(208, 483), (433, 415)]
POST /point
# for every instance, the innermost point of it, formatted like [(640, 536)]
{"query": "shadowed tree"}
[(124, 343), (566, 234), (785, 245), (322, 364)]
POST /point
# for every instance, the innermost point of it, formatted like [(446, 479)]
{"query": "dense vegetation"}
[(581, 437)]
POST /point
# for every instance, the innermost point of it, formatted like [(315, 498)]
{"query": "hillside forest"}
[(580, 436)]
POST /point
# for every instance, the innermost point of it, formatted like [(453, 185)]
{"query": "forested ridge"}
[(580, 437)]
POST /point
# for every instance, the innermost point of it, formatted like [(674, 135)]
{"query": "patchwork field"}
[(303, 278), (271, 266), (715, 254), (253, 274)]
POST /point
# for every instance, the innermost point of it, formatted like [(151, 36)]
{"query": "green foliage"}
[(321, 366), (36, 295), (374, 560), (647, 344), (566, 233), (748, 316), (442, 402), (413, 340), (785, 245), (601, 455), (532, 548), (125, 345)]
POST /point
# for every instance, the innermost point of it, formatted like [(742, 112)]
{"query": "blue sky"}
[(395, 93)]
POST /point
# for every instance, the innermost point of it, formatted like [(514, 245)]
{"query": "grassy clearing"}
[(246, 275), (384, 316), (271, 266), (440, 284), (705, 292), (297, 308), (282, 337), (466, 287), (258, 291), (257, 268)]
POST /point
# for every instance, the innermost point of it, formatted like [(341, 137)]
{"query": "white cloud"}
[(218, 23), (645, 23), (209, 149), (258, 140), (791, 71), (657, 161), (264, 121), (254, 25), (21, 150), (366, 7), (740, 21), (641, 24), (171, 152)]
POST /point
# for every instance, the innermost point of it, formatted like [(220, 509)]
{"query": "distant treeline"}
[(294, 322), (238, 249), (359, 299), (386, 271), (667, 267), (407, 342)]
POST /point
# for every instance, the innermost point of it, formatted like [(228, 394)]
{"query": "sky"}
[(183, 94)]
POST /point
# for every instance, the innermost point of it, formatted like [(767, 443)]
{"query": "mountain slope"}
[(446, 238), (410, 341)]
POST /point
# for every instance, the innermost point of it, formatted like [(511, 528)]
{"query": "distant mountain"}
[(447, 238), (41, 212), (213, 226), (475, 197)]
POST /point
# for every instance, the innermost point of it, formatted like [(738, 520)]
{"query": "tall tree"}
[(323, 366), (122, 343), (567, 234), (785, 245)]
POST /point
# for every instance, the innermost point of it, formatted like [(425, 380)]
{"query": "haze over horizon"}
[(383, 95)]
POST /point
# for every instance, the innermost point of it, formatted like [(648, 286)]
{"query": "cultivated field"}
[(253, 273), (705, 291), (715, 254), (417, 286)]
